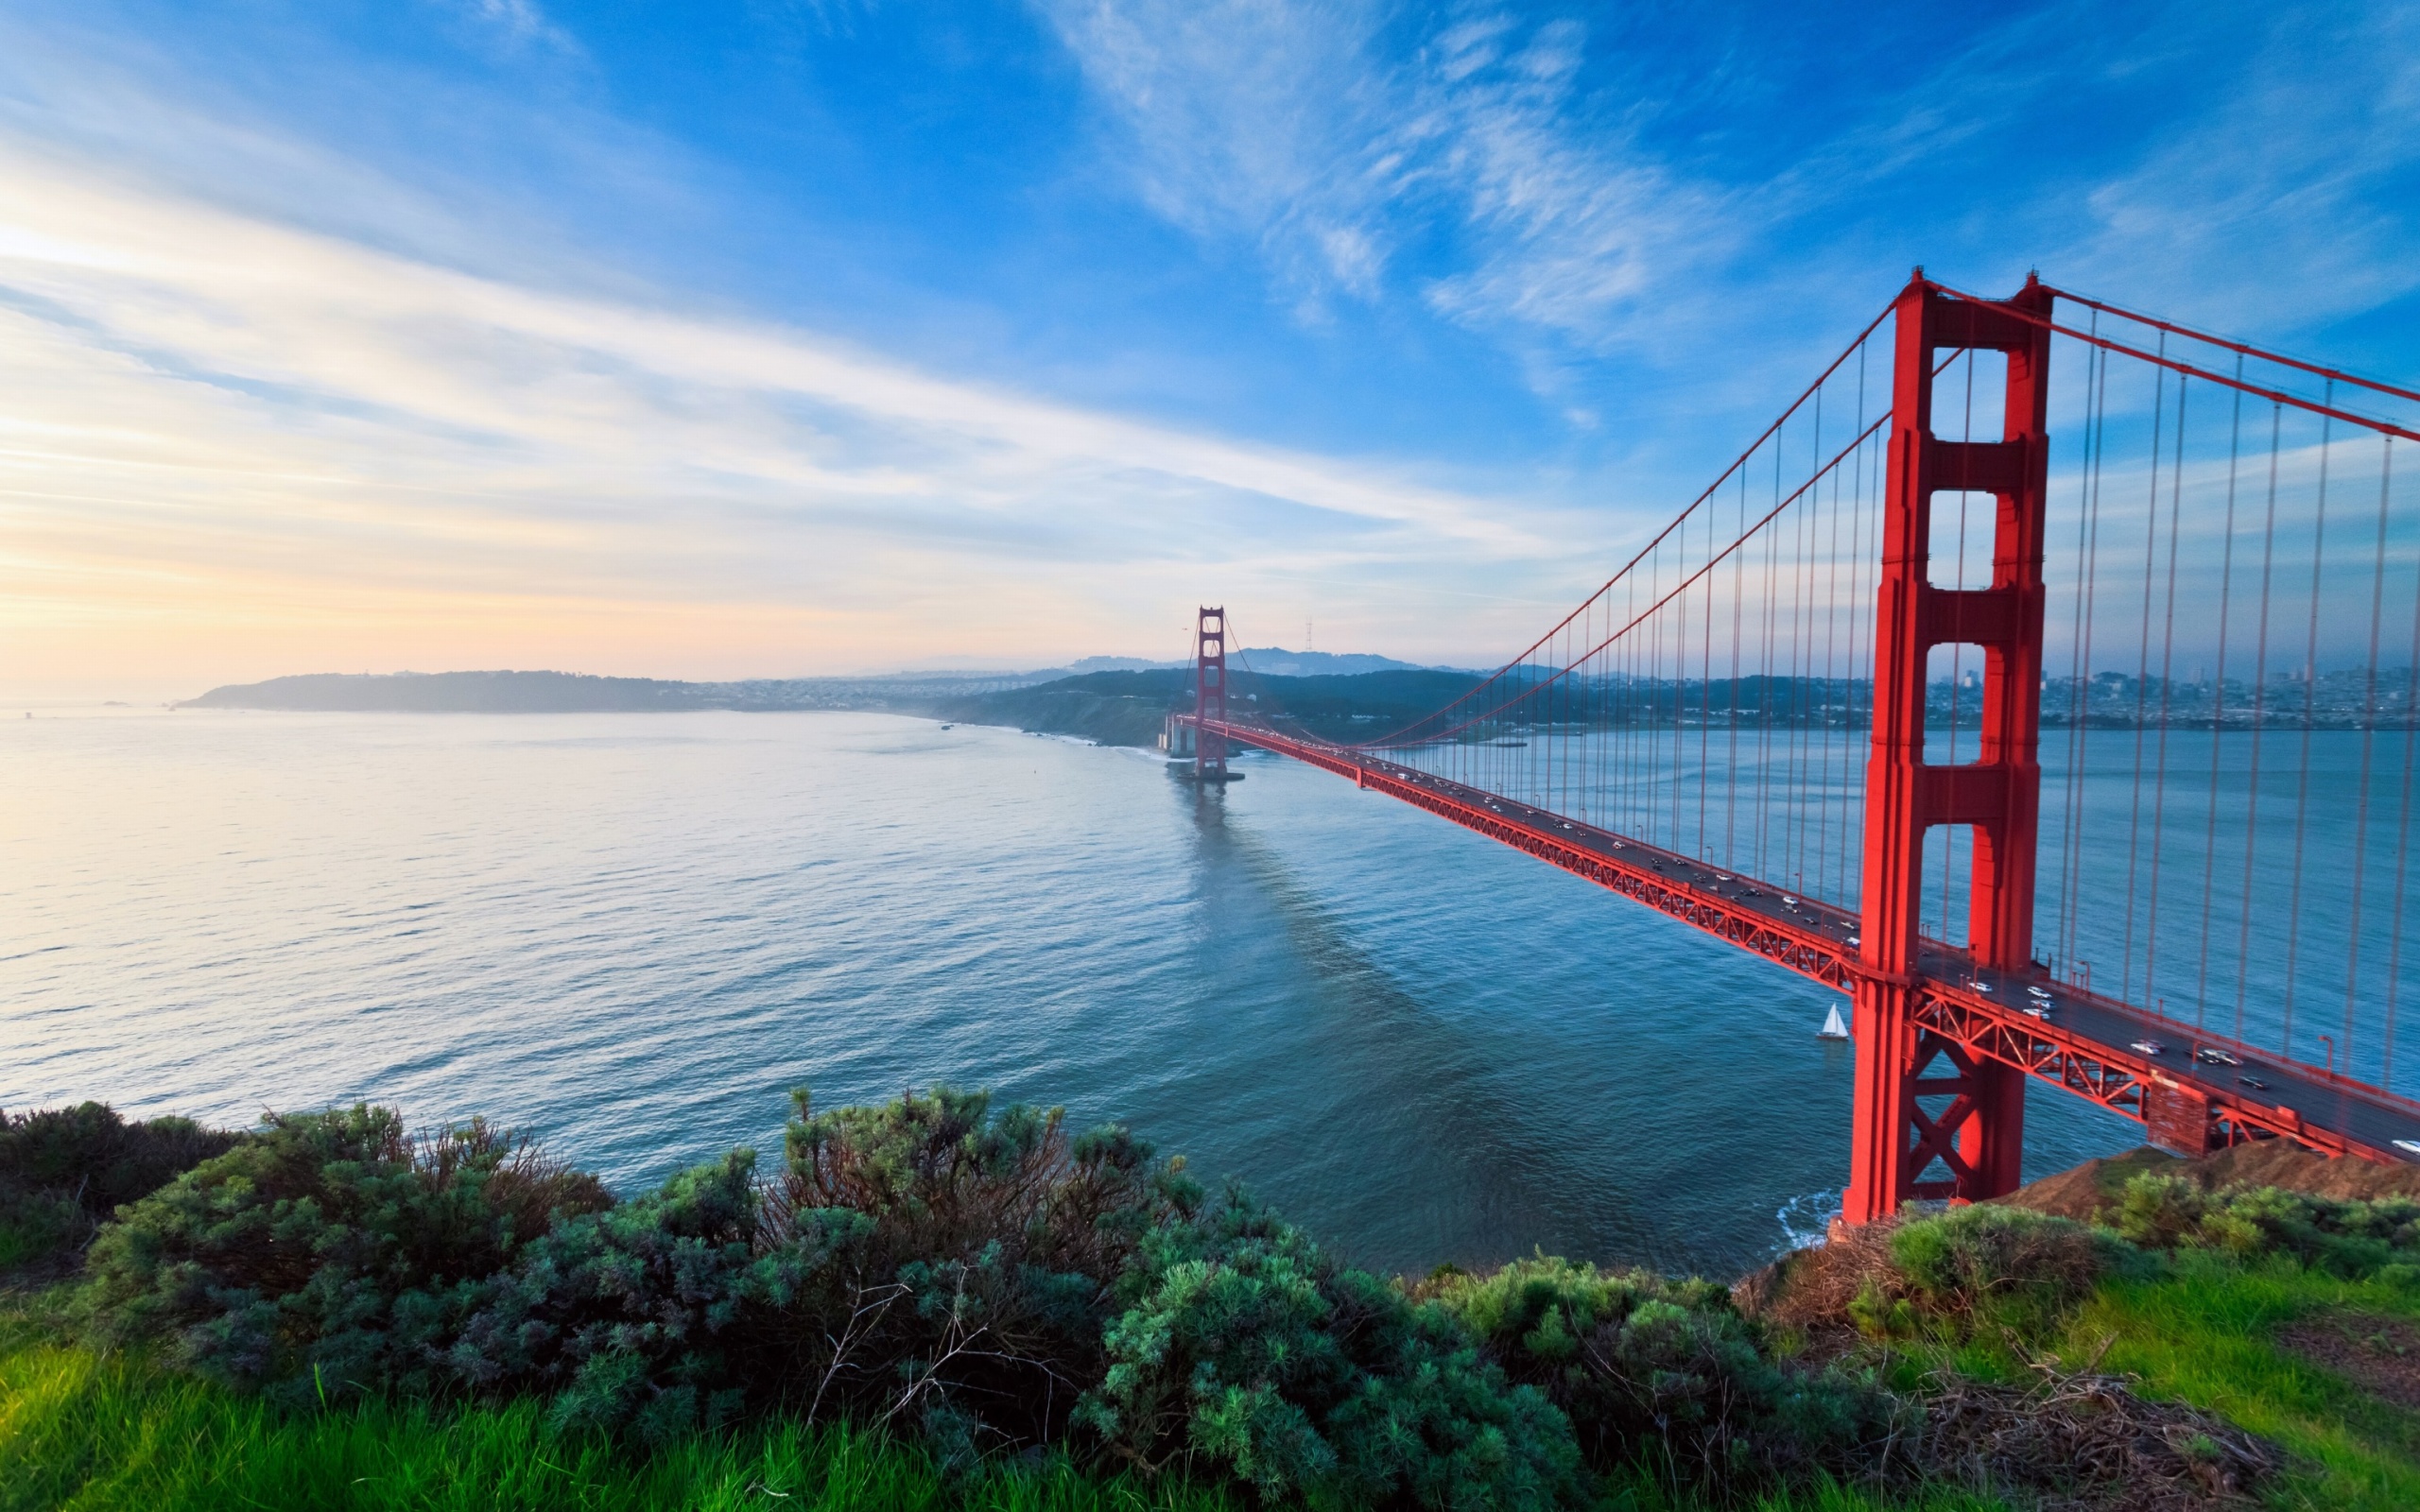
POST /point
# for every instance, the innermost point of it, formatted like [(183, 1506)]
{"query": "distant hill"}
[(1114, 708), (525, 692), (1127, 707), (1276, 661), (459, 693)]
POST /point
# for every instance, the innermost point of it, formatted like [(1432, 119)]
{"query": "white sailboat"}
[(1834, 1028)]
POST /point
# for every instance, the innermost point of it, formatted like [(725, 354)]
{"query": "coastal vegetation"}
[(938, 1302)]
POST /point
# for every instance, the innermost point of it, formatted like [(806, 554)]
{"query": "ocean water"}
[(633, 935)]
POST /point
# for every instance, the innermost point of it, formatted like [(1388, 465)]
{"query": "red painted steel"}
[(2334, 375), (1813, 944), (1971, 1027), (1979, 1141), (2177, 365), (1210, 695), (1944, 1047)]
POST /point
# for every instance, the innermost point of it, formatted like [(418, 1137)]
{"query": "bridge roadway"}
[(2083, 1042)]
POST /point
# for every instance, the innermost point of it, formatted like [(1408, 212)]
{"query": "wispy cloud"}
[(202, 402), (2270, 158), (2295, 204), (1276, 122), (262, 403), (1295, 124), (513, 24), (1575, 229)]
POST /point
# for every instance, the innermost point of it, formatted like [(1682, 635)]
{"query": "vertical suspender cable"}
[(2142, 673), (1731, 758), (2088, 613), (2402, 826), (2217, 712), (1679, 609), (2260, 709), (2075, 652), (1765, 698), (2167, 666), (2311, 718), (1823, 718), (1705, 685), (1800, 703), (2369, 739)]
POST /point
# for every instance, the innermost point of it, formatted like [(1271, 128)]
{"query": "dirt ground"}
[(2381, 1355), (2080, 1193)]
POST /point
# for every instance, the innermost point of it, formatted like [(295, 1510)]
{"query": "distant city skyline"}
[(812, 337)]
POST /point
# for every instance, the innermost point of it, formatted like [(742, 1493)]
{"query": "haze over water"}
[(632, 934)]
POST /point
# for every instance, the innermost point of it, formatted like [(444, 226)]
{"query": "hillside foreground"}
[(936, 1303)]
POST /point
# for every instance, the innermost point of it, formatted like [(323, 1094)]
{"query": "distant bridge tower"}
[(1210, 695), (1979, 1138)]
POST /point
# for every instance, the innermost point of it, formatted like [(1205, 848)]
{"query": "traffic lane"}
[(1735, 890), (2095, 1020), (2304, 1091)]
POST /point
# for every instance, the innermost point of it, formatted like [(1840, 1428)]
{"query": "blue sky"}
[(778, 336)]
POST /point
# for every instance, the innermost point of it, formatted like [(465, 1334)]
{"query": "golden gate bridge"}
[(1810, 717)]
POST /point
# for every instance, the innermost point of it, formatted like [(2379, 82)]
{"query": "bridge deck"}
[(2082, 1042)]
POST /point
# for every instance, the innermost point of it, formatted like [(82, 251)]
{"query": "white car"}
[(2213, 1056), (2410, 1147), (2148, 1047)]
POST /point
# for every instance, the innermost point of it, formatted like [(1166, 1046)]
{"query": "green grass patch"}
[(82, 1429), (2204, 1333), (1644, 1494)]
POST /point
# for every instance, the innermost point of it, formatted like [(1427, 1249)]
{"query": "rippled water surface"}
[(632, 934)]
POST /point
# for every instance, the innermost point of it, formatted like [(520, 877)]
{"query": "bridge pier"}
[(1972, 1134)]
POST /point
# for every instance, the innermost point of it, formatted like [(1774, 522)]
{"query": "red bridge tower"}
[(1979, 1139), (1210, 697)]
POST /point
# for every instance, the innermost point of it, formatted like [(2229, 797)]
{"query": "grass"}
[(80, 1430), (1644, 1495), (2203, 1333)]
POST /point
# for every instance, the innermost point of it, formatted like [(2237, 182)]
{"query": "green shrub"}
[(973, 1301), (2160, 1212), (63, 1171), (1247, 1349), (1962, 1258), (280, 1263), (35, 1225), (2346, 1236), (1665, 1373), (639, 1318), (98, 1157)]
